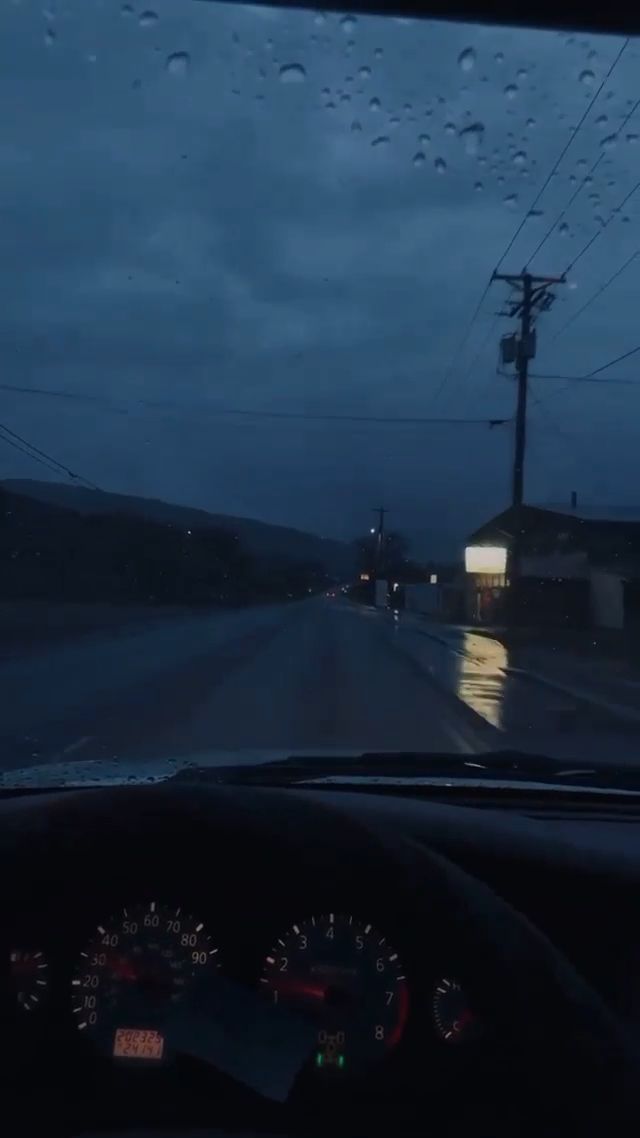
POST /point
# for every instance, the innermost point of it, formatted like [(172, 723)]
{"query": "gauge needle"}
[(291, 987), (123, 969)]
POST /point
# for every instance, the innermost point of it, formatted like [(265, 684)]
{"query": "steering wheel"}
[(577, 1069)]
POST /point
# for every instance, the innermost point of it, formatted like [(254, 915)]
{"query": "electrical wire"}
[(458, 350), (564, 150), (595, 296), (41, 456), (587, 178), (587, 379), (624, 356), (200, 409), (598, 232)]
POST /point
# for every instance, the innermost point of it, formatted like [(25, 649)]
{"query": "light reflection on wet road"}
[(321, 673)]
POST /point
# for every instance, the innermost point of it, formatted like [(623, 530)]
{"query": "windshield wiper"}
[(491, 767)]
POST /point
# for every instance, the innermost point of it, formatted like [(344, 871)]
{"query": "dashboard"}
[(255, 958)]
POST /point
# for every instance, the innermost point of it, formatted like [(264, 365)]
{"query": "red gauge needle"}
[(291, 987), (122, 968)]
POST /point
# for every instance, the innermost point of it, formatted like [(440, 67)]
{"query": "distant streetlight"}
[(373, 529)]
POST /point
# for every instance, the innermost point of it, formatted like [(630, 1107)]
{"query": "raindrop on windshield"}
[(531, 123), (148, 18), (178, 63), (364, 73), (499, 57), (511, 200), (467, 59), (292, 73), (356, 126), (519, 158), (440, 165), (522, 74), (348, 25), (424, 139), (49, 37), (374, 104), (381, 140), (563, 229), (378, 53), (419, 159), (472, 137), (609, 142), (587, 77), (449, 128), (602, 120), (319, 19), (511, 91), (478, 187), (127, 10), (632, 138)]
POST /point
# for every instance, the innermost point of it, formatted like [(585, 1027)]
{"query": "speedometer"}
[(137, 966)]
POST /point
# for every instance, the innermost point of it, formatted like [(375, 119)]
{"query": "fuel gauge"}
[(28, 973)]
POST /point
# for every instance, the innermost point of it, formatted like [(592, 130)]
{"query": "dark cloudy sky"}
[(194, 210)]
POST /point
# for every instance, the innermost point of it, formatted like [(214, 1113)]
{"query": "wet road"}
[(320, 673)]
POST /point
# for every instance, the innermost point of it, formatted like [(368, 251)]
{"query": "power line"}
[(587, 178), (564, 150), (596, 294), (617, 360), (598, 232), (19, 443), (160, 405), (587, 379), (448, 373)]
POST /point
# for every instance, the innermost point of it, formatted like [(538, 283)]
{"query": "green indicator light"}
[(341, 1061), (319, 1059)]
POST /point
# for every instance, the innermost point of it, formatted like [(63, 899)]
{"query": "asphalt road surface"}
[(316, 674)]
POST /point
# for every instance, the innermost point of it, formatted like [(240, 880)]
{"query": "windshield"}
[(318, 421)]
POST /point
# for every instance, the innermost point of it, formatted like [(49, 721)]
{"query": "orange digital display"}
[(137, 1043)]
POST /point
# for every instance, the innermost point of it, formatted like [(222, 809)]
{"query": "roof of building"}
[(546, 530)]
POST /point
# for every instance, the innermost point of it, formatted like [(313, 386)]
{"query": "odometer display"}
[(345, 974), (137, 966)]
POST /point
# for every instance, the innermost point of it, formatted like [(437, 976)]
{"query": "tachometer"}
[(137, 966), (345, 974)]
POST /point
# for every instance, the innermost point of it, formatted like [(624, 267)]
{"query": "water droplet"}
[(602, 120), (467, 59), (632, 138), (522, 74), (563, 229), (499, 57), (587, 77), (519, 158), (449, 128), (511, 91), (365, 72), (292, 73), (348, 25), (374, 104), (424, 139), (345, 98), (356, 126), (440, 165), (581, 163), (478, 187), (572, 179), (500, 179), (511, 200), (609, 142), (626, 218), (536, 213), (472, 137), (381, 140), (127, 10), (419, 159), (378, 53), (92, 57), (148, 18), (319, 19), (49, 37), (394, 120), (178, 63), (531, 123)]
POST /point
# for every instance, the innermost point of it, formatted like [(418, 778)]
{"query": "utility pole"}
[(380, 511), (534, 297)]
